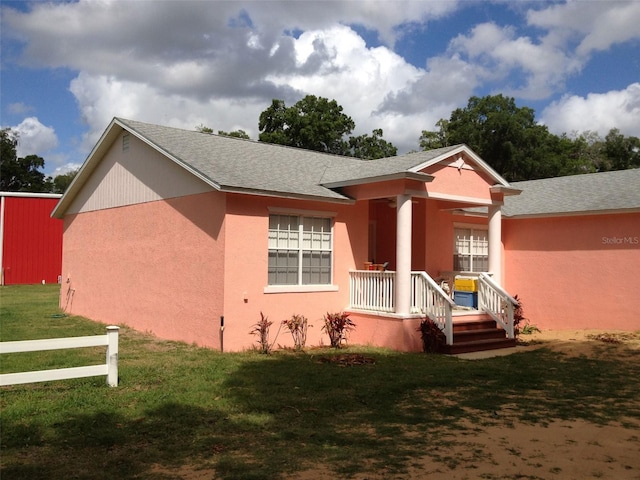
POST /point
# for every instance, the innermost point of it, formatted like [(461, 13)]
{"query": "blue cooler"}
[(466, 299)]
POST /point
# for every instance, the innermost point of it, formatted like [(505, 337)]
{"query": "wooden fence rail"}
[(110, 368)]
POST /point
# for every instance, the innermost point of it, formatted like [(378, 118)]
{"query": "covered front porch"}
[(373, 298), (441, 218)]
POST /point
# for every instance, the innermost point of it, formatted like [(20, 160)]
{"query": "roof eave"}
[(577, 213), (408, 175), (288, 195), (507, 191)]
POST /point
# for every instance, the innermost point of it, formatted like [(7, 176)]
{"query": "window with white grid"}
[(471, 250), (300, 250)]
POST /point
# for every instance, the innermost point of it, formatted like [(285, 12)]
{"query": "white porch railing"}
[(429, 299), (110, 368), (495, 301), (372, 290), (375, 291)]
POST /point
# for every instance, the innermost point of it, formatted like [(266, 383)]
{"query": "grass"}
[(250, 416)]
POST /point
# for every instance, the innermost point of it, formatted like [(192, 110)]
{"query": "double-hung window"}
[(300, 249), (471, 250)]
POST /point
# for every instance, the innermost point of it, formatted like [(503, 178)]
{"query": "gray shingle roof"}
[(345, 172), (595, 192), (237, 164), (244, 165)]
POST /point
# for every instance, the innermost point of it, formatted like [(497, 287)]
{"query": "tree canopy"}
[(371, 147), (61, 182), (24, 174), (20, 174), (313, 123), (509, 139), (235, 133), (317, 123)]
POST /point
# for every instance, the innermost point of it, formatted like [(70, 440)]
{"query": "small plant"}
[(261, 330), (337, 325), (297, 325), (432, 336), (518, 317)]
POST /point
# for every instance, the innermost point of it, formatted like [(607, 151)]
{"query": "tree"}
[(236, 134), (621, 152), (204, 129), (506, 136), (371, 147), (62, 182), (313, 123), (20, 174), (430, 140)]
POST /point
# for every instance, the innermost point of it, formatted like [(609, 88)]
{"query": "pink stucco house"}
[(169, 231)]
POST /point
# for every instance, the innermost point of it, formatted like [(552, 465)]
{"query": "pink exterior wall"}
[(463, 182), (575, 272), (396, 333), (246, 268), (156, 266)]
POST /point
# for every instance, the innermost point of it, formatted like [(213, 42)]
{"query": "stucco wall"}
[(464, 182), (156, 266), (246, 268), (575, 272)]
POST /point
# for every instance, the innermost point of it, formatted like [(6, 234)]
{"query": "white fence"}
[(110, 369)]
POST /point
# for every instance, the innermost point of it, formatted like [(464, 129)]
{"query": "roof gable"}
[(231, 164)]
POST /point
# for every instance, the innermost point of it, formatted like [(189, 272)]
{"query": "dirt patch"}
[(347, 360), (513, 450), (588, 343)]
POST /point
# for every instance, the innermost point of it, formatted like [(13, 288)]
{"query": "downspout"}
[(222, 333)]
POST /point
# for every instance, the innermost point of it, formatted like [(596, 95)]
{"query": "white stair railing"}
[(429, 299), (495, 301)]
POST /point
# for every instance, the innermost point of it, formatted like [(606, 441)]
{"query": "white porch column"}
[(403, 254), (495, 242)]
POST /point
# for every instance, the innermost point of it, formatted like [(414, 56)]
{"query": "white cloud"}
[(598, 112), (220, 63), (596, 25), (34, 138), (19, 108), (500, 51), (100, 98)]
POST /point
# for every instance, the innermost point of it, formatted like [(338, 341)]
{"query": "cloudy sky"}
[(69, 67)]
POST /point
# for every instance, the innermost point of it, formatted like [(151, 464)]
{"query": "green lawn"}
[(249, 416)]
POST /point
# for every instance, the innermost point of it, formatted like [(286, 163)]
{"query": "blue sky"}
[(69, 67)]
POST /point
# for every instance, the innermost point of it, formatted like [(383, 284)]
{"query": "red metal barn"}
[(30, 240)]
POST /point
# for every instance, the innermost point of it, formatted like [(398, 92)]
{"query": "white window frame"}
[(472, 248), (302, 215)]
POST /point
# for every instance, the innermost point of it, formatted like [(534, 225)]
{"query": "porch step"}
[(476, 333), (477, 346)]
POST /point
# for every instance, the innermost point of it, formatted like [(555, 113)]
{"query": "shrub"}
[(518, 317), (432, 336), (337, 325), (297, 325), (261, 330)]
